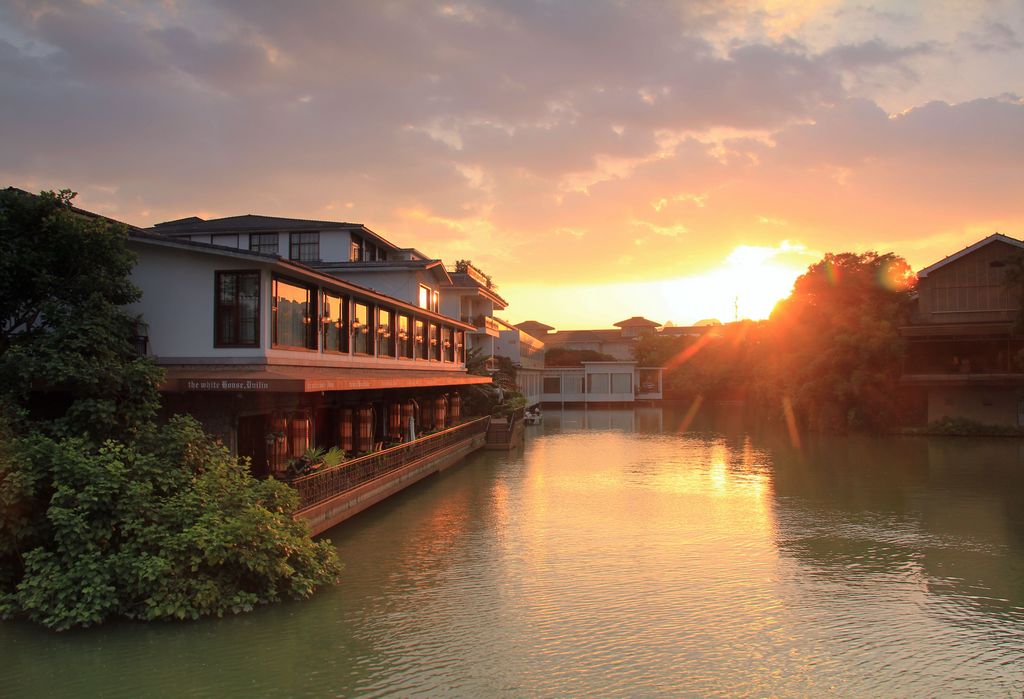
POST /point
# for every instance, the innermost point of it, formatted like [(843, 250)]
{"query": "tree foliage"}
[(831, 350), (170, 526), (102, 512), (68, 361)]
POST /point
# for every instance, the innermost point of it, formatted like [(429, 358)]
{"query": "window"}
[(622, 383), (227, 240), (385, 332), (447, 345), (355, 249), (435, 349), (552, 384), (420, 336), (425, 297), (237, 313), (294, 312), (264, 242), (460, 346), (304, 247), (405, 339), (335, 323), (362, 338), (597, 383)]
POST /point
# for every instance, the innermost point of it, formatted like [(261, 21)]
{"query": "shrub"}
[(168, 527)]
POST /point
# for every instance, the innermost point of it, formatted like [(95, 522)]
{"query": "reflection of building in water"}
[(963, 348), (644, 419)]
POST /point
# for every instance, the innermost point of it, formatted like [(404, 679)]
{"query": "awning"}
[(299, 379)]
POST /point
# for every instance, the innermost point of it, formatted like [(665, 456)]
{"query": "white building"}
[(601, 382), (275, 356), (470, 296), (527, 355)]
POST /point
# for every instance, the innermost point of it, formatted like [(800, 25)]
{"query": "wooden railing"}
[(317, 487)]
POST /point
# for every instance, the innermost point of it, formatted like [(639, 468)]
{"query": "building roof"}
[(435, 267), (534, 325), (462, 280), (969, 249), (254, 223), (565, 336), (637, 322)]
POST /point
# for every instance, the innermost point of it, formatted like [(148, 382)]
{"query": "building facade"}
[(275, 356), (963, 347), (608, 382)]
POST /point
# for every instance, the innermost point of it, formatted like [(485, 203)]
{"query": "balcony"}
[(483, 323)]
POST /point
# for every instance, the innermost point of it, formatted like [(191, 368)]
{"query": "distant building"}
[(618, 343), (527, 355), (601, 383), (963, 348), (470, 296)]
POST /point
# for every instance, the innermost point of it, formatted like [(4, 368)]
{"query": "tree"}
[(68, 361), (103, 512), (836, 353)]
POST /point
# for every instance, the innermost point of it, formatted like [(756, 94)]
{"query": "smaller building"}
[(963, 347), (607, 382), (527, 356)]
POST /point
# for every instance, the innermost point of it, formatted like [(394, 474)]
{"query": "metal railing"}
[(322, 485)]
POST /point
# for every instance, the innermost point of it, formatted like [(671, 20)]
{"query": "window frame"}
[(387, 342), (217, 275), (257, 243), (370, 336), (409, 349), (344, 344), (312, 343), (296, 246)]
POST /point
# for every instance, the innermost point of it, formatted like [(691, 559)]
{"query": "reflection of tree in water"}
[(948, 513)]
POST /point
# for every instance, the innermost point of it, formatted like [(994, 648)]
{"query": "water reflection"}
[(626, 552)]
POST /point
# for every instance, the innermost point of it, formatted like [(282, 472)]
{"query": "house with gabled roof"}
[(964, 348)]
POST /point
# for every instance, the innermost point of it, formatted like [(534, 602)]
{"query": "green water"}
[(615, 555)]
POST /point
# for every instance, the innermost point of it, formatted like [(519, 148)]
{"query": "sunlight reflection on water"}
[(617, 556)]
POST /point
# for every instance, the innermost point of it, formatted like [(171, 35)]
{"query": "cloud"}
[(526, 129)]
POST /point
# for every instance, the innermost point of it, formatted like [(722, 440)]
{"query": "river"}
[(619, 554)]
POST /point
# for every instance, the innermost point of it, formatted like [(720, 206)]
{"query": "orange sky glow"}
[(680, 161)]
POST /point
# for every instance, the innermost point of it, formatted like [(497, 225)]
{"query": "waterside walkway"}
[(329, 497)]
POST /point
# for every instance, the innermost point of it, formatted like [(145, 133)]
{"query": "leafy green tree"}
[(68, 361), (170, 526)]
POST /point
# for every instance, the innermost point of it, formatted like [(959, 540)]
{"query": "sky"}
[(676, 160)]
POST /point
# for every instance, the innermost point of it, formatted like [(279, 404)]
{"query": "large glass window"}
[(405, 340), (294, 312), (304, 247), (447, 345), (435, 348), (355, 250), (264, 242), (425, 297), (622, 383), (237, 313), (335, 323), (422, 346), (552, 384), (385, 332), (362, 338), (597, 383)]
